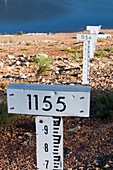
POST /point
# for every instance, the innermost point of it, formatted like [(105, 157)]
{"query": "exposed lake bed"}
[(88, 142)]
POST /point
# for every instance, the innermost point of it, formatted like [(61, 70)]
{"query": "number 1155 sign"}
[(51, 100)]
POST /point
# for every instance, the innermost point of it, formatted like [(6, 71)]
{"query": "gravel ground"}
[(88, 142)]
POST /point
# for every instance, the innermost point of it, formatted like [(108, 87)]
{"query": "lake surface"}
[(54, 16)]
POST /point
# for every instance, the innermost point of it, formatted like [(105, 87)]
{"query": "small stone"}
[(26, 63), (20, 137), (22, 57), (31, 58), (24, 143), (11, 57), (43, 80), (106, 166), (28, 134), (18, 63), (23, 76)]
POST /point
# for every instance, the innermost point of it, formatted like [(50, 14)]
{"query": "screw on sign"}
[(49, 103), (87, 54)]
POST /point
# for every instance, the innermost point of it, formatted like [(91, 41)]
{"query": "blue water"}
[(54, 16)]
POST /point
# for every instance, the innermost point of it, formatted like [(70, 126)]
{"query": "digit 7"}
[(47, 163)]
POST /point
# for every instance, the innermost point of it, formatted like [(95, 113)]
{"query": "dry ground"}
[(88, 142)]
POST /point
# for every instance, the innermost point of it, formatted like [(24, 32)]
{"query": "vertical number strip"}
[(49, 143), (44, 126)]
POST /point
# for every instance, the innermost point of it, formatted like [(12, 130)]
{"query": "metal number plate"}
[(83, 37), (49, 139), (52, 100)]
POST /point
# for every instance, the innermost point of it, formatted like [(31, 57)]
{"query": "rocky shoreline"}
[(88, 142)]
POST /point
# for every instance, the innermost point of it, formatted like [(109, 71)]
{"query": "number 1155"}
[(48, 105)]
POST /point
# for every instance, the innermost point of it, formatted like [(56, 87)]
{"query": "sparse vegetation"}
[(43, 63), (73, 49), (5, 118), (110, 49), (74, 56), (11, 53), (24, 49), (5, 33), (11, 40), (28, 43), (101, 53), (69, 49), (105, 106), (20, 33)]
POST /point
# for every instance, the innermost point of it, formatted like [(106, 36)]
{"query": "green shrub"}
[(3, 113), (43, 64), (11, 40), (110, 49), (5, 33), (5, 117), (101, 53), (105, 106), (73, 49), (20, 33), (74, 57), (28, 43)]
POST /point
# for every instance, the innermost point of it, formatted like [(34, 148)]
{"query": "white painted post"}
[(93, 30), (49, 103), (49, 140), (93, 46), (87, 54), (86, 61)]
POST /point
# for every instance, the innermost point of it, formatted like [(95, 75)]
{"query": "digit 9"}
[(46, 129)]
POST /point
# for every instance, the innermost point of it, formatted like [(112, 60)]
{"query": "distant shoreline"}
[(49, 33)]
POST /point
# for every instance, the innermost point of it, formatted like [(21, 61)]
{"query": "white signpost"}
[(87, 54), (49, 103), (94, 30), (89, 45)]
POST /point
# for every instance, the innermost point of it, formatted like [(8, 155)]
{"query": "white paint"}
[(49, 140), (88, 52), (50, 100), (93, 29)]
